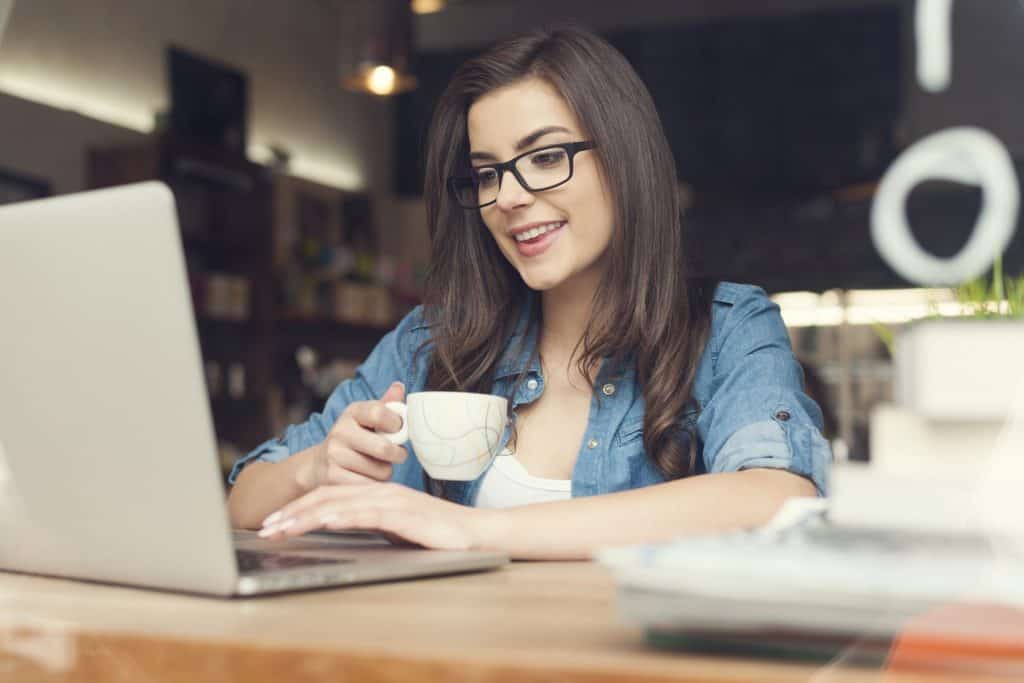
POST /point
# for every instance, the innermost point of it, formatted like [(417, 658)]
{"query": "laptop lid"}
[(107, 452), (108, 469), (5, 9)]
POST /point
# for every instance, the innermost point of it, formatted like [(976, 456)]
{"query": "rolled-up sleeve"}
[(391, 360), (757, 414)]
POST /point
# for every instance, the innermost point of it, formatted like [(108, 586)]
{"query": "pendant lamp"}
[(377, 56)]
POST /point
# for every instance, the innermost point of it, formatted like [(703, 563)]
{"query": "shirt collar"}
[(518, 357), (519, 354)]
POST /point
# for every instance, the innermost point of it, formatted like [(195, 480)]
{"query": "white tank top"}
[(507, 484)]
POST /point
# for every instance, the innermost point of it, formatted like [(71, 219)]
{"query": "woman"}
[(557, 279)]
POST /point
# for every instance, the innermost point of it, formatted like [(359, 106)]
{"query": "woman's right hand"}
[(353, 452)]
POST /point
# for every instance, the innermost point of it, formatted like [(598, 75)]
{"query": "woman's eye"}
[(548, 158), (485, 176)]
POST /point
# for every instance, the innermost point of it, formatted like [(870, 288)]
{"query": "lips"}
[(539, 238), (535, 230)]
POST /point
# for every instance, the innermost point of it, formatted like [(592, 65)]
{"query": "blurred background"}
[(292, 136)]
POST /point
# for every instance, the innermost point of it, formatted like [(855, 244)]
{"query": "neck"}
[(566, 311)]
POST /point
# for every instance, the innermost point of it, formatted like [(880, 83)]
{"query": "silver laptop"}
[(5, 9), (108, 467)]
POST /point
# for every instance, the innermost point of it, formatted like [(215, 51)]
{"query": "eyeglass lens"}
[(539, 170)]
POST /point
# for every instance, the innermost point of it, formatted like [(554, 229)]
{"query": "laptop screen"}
[(5, 9)]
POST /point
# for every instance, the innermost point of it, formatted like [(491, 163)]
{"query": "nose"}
[(511, 194)]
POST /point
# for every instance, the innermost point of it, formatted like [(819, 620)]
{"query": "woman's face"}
[(578, 216)]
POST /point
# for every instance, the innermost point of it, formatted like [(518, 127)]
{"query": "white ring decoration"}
[(965, 155), (932, 28)]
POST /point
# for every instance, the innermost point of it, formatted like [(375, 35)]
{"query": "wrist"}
[(488, 528), (304, 469)]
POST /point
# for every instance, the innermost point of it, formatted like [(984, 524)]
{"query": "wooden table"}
[(525, 622)]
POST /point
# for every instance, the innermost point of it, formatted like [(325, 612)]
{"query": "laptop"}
[(5, 9), (108, 465)]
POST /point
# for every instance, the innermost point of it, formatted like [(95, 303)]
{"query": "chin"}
[(541, 282)]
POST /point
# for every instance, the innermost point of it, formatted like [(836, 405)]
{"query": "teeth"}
[(538, 231)]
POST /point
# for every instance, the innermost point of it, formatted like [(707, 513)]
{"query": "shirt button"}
[(531, 384), (593, 443), (782, 415), (608, 389)]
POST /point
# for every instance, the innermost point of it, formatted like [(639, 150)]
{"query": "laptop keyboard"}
[(253, 561)]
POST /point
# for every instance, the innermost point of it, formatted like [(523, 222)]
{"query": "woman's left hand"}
[(391, 509)]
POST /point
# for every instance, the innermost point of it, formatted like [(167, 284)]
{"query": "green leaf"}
[(887, 336), (1015, 296)]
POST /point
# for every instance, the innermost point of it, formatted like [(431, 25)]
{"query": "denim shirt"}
[(751, 408)]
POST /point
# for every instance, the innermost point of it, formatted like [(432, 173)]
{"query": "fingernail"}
[(272, 519), (276, 528), (398, 384)]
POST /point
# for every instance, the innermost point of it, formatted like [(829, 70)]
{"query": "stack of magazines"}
[(803, 584)]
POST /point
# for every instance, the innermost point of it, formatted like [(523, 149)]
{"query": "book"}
[(960, 499), (801, 573), (975, 638)]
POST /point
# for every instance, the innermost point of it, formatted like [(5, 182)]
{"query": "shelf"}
[(227, 407), (237, 220), (230, 401), (320, 325), (227, 322), (877, 371), (291, 326)]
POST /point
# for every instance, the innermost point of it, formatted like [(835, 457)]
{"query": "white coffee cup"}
[(456, 435)]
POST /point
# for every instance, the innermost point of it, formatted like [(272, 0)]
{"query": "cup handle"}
[(402, 435)]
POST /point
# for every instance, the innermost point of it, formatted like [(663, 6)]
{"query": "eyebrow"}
[(523, 143)]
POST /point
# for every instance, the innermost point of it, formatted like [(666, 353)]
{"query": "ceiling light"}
[(378, 45), (867, 307), (379, 79), (427, 6)]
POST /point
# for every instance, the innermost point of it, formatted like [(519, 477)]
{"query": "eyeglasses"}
[(536, 170)]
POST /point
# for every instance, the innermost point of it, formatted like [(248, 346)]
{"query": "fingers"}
[(368, 443), (339, 493), (397, 511), (311, 510), (343, 477), (395, 392), (352, 448), (353, 444), (342, 458), (372, 415), (354, 451)]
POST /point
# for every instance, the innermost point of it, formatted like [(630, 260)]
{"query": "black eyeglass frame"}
[(571, 149)]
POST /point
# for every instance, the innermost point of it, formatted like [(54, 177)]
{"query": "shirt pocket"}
[(629, 444), (632, 430), (630, 458)]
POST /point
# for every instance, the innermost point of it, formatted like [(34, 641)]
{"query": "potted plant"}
[(968, 367), (948, 455)]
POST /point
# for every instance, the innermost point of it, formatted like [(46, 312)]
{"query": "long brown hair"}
[(646, 310)]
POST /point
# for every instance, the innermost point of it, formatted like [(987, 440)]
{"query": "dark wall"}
[(780, 126), (825, 242), (784, 104)]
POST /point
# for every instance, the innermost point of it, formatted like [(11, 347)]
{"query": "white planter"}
[(960, 369), (903, 440)]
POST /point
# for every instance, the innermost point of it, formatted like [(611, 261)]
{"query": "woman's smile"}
[(535, 239)]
